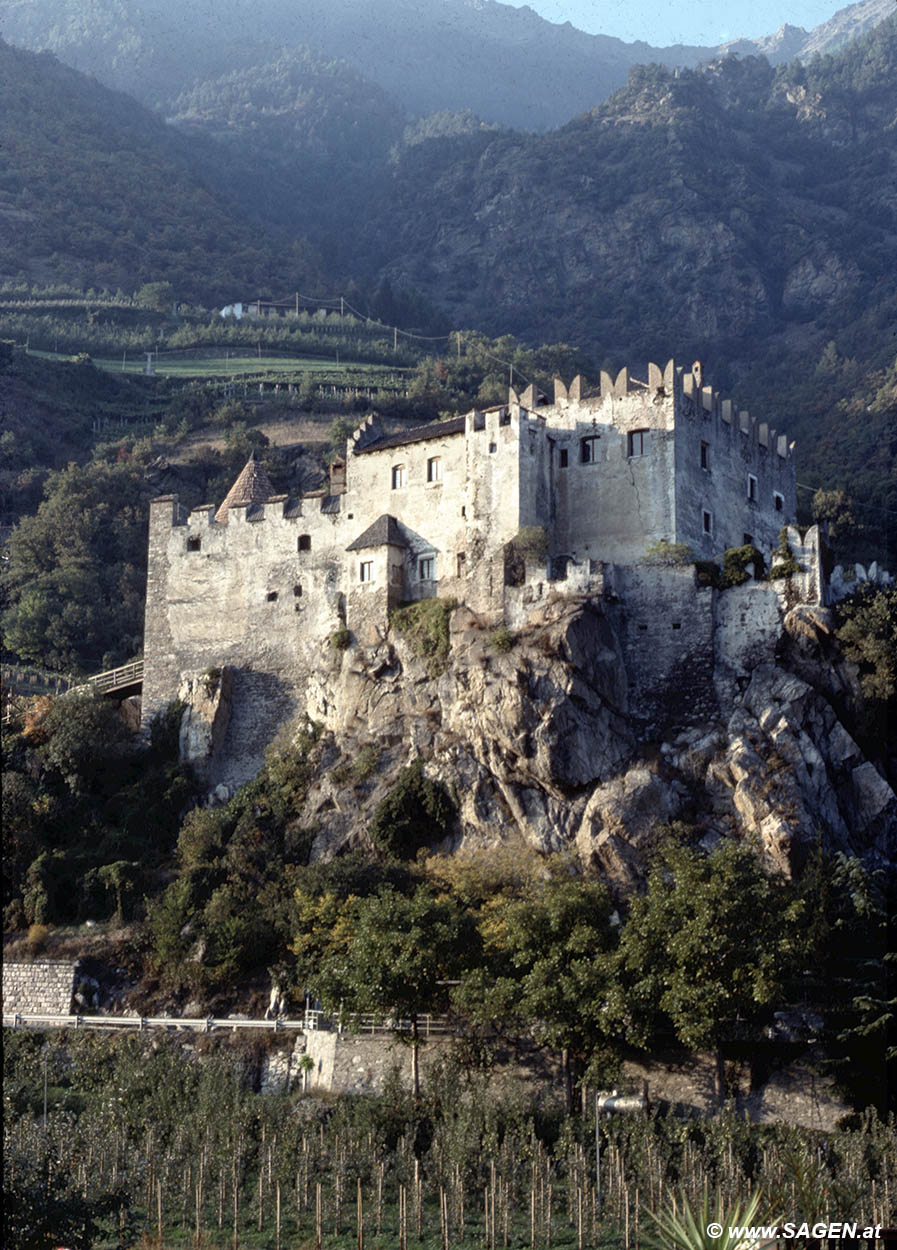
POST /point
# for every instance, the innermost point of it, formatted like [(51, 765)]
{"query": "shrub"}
[(417, 812), (671, 554), (367, 763), (425, 627), (531, 541), (37, 938), (783, 563), (735, 563), (340, 639), (501, 640)]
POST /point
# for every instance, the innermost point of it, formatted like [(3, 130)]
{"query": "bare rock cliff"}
[(543, 743)]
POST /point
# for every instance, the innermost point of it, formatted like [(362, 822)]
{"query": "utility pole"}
[(395, 340), (342, 310)]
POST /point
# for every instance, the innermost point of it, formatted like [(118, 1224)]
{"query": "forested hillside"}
[(97, 192)]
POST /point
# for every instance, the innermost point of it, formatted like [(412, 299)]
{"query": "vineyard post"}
[(597, 1155), (359, 1214), (319, 1216)]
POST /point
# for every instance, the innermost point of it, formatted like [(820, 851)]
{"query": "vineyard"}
[(170, 1149)]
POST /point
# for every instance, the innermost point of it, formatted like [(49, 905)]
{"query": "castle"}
[(497, 509)]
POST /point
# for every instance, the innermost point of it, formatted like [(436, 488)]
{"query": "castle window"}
[(399, 476), (636, 442), (779, 501), (747, 540), (677, 624), (494, 447), (427, 569), (461, 561), (463, 510), (504, 418), (708, 522), (304, 543), (588, 449), (297, 592), (366, 571), (752, 488), (271, 596), (194, 544), (705, 456), (434, 469), (564, 457)]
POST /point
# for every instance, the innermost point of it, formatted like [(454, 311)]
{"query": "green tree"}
[(548, 965), (868, 634), (156, 295), (389, 952), (416, 813), (43, 1205), (705, 950)]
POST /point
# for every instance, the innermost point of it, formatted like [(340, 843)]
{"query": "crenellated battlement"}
[(592, 478)]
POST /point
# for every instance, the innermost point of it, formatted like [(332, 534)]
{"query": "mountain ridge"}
[(465, 57)]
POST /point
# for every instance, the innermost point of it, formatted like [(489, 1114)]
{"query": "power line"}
[(854, 503)]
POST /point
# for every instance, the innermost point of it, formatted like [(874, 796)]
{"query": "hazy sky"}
[(661, 22)]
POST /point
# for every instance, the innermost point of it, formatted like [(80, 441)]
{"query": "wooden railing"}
[(23, 682), (114, 678)]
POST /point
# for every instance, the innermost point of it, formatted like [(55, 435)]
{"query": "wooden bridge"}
[(27, 682), (114, 680)]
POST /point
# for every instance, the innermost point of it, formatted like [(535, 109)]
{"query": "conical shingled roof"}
[(252, 486)]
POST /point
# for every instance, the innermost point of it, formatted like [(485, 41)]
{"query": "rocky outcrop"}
[(207, 700), (555, 737), (541, 745)]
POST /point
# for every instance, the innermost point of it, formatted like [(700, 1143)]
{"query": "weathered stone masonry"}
[(45, 987), (261, 584)]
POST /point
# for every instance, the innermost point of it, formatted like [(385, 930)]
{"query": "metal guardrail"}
[(141, 1024), (313, 1021)]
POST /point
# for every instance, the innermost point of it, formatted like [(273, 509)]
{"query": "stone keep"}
[(259, 584)]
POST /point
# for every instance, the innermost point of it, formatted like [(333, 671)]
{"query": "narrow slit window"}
[(707, 518), (752, 488), (297, 592), (779, 502), (494, 447), (705, 455), (564, 457), (272, 596), (461, 562)]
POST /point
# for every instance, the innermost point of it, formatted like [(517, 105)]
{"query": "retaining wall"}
[(44, 987)]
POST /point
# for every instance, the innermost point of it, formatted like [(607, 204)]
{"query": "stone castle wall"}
[(602, 476), (43, 988)]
